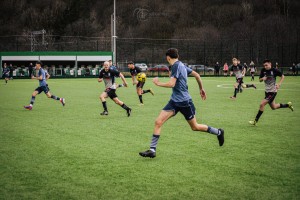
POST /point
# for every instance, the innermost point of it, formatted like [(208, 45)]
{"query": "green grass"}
[(71, 152)]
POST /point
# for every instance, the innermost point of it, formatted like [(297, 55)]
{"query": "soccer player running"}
[(108, 75), (252, 69), (5, 73), (239, 72), (42, 76), (139, 85), (268, 75), (180, 101)]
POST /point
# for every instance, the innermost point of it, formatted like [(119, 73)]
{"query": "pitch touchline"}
[(230, 86)]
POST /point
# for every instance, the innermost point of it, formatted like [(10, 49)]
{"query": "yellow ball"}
[(141, 77)]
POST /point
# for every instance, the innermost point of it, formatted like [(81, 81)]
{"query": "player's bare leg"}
[(139, 92), (122, 104), (204, 128), (62, 100), (29, 107), (160, 120), (235, 90), (102, 97)]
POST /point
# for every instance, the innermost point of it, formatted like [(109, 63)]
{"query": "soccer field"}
[(71, 152)]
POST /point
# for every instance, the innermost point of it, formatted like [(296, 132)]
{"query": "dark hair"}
[(172, 53), (130, 62), (39, 62), (266, 60)]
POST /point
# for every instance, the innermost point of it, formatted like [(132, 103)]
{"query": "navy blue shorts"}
[(44, 89), (186, 108), (5, 76)]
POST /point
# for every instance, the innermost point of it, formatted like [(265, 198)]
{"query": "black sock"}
[(124, 106), (32, 100), (104, 106), (5, 81), (235, 91), (249, 85), (141, 98), (55, 97), (145, 91), (284, 105), (258, 115)]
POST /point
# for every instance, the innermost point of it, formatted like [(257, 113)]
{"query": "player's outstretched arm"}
[(123, 79), (47, 76), (244, 72), (100, 80), (200, 84), (134, 82), (171, 83)]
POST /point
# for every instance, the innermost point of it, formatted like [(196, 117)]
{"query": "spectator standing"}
[(294, 69), (30, 68), (217, 69), (225, 69)]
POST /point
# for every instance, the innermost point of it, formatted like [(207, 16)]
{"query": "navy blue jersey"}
[(114, 68), (43, 74), (109, 77), (6, 71), (180, 90)]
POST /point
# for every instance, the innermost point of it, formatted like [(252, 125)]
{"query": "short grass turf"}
[(71, 152)]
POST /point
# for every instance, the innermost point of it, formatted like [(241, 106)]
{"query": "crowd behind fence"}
[(91, 71)]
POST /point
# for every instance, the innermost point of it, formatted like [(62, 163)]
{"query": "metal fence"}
[(152, 51), (193, 52)]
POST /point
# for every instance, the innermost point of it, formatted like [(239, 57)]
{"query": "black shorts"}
[(270, 96), (140, 84), (239, 81), (44, 89), (111, 93), (186, 108)]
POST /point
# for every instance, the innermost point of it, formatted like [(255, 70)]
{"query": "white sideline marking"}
[(230, 86)]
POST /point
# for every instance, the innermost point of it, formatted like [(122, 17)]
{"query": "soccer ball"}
[(141, 77)]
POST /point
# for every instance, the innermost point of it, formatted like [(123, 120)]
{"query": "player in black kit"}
[(108, 75), (239, 72), (268, 75), (139, 85)]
